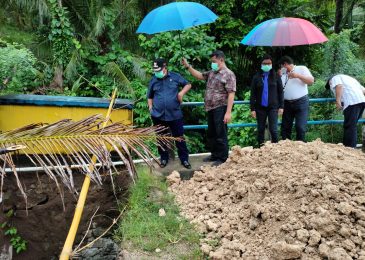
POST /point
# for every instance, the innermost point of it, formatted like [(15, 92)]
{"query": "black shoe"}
[(209, 159), (217, 163), (186, 164), (163, 163)]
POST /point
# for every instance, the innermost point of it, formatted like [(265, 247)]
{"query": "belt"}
[(294, 100)]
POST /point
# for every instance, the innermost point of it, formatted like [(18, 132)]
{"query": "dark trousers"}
[(298, 110), (261, 115), (217, 133), (352, 115), (177, 130)]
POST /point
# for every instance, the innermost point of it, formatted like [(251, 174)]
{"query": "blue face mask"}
[(215, 66), (266, 68), (159, 74)]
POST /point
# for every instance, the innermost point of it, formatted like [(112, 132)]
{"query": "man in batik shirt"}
[(219, 97)]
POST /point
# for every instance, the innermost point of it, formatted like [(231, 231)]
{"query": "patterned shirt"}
[(219, 85)]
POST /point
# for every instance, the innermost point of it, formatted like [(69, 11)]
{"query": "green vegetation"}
[(18, 243), (18, 65), (145, 229)]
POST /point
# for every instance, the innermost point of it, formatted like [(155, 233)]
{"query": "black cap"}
[(159, 64), (327, 86)]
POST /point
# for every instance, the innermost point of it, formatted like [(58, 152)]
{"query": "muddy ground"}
[(45, 224), (290, 200)]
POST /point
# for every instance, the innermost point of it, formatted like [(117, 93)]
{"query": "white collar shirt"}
[(353, 92), (295, 88)]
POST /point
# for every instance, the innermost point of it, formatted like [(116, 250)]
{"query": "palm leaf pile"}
[(58, 147)]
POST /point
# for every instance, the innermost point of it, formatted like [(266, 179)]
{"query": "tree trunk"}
[(339, 13), (57, 81)]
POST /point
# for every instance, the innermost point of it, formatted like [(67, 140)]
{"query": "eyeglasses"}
[(266, 63)]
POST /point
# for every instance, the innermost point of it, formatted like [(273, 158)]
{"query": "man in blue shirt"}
[(164, 101)]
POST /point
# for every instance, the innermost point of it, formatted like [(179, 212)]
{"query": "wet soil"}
[(45, 222)]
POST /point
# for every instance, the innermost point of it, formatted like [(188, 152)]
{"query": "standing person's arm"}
[(195, 73), (181, 94), (339, 91), (228, 115), (186, 87), (253, 98), (150, 104), (230, 87), (150, 94), (305, 76), (280, 95)]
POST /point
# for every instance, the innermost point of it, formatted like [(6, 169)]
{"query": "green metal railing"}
[(246, 102)]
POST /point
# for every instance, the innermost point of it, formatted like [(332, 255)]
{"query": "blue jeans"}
[(217, 134), (298, 110), (177, 130), (352, 115), (261, 115)]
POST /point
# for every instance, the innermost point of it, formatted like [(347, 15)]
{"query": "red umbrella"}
[(285, 31)]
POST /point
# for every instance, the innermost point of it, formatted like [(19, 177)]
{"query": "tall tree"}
[(339, 15)]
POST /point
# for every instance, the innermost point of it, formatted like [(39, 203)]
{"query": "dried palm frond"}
[(57, 147)]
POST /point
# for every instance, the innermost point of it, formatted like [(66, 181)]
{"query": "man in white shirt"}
[(295, 81), (350, 97)]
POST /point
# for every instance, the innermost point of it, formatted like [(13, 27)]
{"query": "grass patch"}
[(145, 229)]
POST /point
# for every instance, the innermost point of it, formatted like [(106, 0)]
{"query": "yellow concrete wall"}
[(15, 116)]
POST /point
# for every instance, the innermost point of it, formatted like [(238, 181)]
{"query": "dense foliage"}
[(18, 71), (87, 48)]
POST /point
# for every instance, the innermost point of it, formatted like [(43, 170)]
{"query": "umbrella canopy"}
[(285, 31), (176, 16)]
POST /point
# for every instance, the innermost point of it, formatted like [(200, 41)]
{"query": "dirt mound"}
[(283, 201)]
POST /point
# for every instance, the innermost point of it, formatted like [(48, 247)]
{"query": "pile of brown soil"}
[(284, 201)]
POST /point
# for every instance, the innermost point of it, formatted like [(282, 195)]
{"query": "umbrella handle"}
[(181, 49)]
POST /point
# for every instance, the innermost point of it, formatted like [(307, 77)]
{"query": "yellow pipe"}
[(67, 247)]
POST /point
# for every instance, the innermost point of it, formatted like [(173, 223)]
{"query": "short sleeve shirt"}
[(163, 92), (352, 90), (295, 88), (219, 84)]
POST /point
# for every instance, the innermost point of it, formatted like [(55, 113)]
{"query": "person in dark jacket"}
[(267, 99), (164, 99)]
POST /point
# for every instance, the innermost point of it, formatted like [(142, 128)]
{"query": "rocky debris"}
[(173, 178), (282, 250), (6, 252), (161, 212), (290, 200), (104, 248)]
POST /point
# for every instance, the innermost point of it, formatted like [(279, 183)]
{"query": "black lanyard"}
[(286, 81)]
